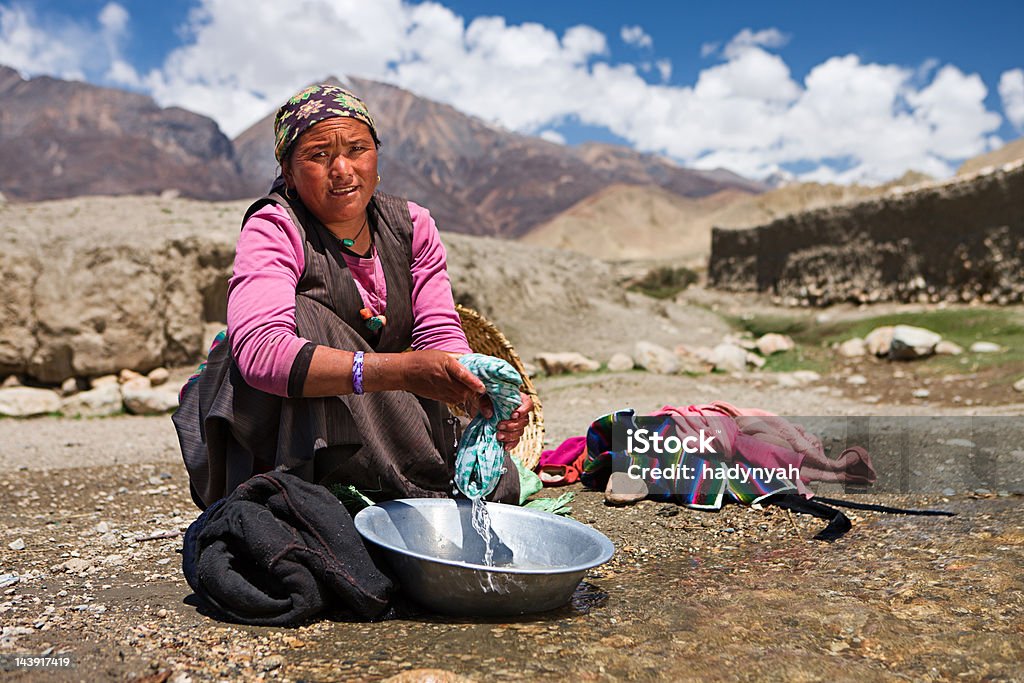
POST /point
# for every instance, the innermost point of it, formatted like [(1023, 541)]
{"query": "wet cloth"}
[(481, 458), (278, 551)]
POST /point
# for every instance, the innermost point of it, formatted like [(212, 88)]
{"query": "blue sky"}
[(846, 92)]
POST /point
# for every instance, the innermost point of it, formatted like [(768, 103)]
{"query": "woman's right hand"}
[(429, 373)]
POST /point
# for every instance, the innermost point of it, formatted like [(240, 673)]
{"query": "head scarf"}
[(311, 106)]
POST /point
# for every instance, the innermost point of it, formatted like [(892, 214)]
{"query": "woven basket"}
[(484, 337)]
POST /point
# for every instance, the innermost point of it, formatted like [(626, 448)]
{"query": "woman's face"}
[(333, 167)]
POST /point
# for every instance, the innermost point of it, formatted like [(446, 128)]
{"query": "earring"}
[(378, 178), (290, 197)]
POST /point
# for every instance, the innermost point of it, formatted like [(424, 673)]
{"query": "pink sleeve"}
[(436, 324), (261, 300)]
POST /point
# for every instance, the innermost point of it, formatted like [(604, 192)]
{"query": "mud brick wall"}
[(960, 240)]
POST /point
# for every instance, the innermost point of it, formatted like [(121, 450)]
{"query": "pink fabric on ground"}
[(261, 295)]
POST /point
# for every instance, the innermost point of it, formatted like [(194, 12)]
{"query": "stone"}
[(797, 378), (985, 347), (565, 362), (158, 376), (104, 380), (909, 342), (427, 676), (774, 343), (857, 380), (17, 544), (142, 399), (755, 360), (654, 358), (69, 386), (620, 362), (1019, 385), (28, 401), (76, 565), (729, 357), (127, 375), (853, 348), (11, 381), (948, 348), (921, 393), (878, 340), (101, 402)]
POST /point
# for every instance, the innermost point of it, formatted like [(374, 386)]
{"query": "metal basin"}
[(539, 558)]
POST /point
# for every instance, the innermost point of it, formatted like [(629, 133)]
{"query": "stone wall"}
[(960, 240)]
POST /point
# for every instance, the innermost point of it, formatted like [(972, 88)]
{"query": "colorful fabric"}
[(311, 106), (479, 460), (221, 336), (747, 484)]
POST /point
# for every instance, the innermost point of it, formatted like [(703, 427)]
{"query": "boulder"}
[(158, 376), (104, 380), (565, 362), (1019, 385), (909, 342), (985, 347), (27, 401), (127, 375), (878, 340), (948, 348), (620, 362), (69, 386), (853, 348), (729, 358), (654, 358), (774, 343), (141, 399), (11, 381), (100, 402)]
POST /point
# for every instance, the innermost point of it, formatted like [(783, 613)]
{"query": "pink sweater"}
[(261, 295)]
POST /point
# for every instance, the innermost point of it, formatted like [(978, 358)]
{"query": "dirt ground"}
[(735, 595)]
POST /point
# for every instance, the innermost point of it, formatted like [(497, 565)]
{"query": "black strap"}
[(838, 523), (884, 508)]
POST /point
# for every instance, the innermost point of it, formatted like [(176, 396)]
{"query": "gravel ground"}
[(734, 595)]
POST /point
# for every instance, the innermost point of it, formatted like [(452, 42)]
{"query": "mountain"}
[(479, 179), (66, 138), (626, 222), (1008, 153)]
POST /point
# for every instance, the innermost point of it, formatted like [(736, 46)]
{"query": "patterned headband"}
[(313, 105)]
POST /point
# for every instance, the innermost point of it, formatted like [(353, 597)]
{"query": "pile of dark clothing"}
[(279, 550)]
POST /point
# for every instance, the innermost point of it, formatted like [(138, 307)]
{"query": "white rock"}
[(755, 360), (76, 565), (654, 358), (562, 363), (740, 341), (853, 348), (127, 375), (878, 340), (11, 381), (69, 386), (921, 393), (103, 380), (948, 348), (985, 347), (17, 544), (909, 342), (28, 401), (102, 528), (140, 400), (774, 343), (620, 362), (106, 400), (1019, 385), (158, 376), (729, 357), (857, 380)]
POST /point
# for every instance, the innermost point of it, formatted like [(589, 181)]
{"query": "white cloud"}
[(32, 48), (636, 36), (848, 120), (1011, 91), (552, 136)]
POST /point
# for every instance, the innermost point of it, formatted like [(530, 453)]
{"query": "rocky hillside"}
[(482, 180), (1008, 153), (67, 138), (96, 284)]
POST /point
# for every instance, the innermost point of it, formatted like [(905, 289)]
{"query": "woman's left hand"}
[(510, 431)]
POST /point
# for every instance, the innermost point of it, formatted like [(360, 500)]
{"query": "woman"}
[(333, 282)]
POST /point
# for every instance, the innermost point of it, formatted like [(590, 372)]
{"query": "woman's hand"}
[(510, 431), (431, 374)]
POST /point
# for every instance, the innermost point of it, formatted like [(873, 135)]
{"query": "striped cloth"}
[(700, 492), (478, 463)]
